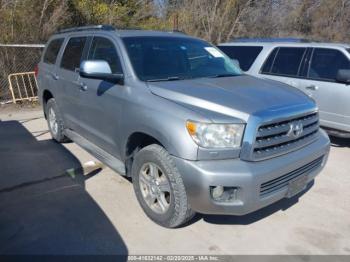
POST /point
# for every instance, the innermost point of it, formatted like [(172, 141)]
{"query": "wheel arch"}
[(135, 142)]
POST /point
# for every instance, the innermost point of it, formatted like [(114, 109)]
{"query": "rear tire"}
[(55, 121), (162, 195)]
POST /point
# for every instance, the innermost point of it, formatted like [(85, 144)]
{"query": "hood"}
[(238, 96)]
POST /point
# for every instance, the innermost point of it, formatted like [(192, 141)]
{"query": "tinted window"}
[(245, 55), (268, 63), (326, 63), (104, 49), (52, 51), (160, 58), (73, 52), (287, 61)]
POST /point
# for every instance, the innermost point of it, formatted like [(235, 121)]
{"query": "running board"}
[(106, 158)]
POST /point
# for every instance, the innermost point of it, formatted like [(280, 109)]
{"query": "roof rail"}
[(85, 28), (271, 40), (160, 30), (107, 28), (178, 31)]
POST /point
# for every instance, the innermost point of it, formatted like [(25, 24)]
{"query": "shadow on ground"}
[(283, 204), (339, 142), (42, 209)]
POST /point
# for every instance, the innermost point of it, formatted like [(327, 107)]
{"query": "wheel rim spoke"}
[(53, 121), (153, 170), (150, 199), (162, 203), (164, 186), (146, 179)]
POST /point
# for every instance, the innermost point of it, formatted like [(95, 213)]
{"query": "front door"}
[(331, 96), (101, 102)]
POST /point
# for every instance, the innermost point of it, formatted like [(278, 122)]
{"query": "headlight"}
[(216, 135)]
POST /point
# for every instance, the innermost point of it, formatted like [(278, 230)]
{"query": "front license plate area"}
[(297, 185)]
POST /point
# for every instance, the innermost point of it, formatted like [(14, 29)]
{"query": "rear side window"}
[(245, 55), (52, 51), (326, 63), (284, 61), (287, 61), (104, 49), (72, 54)]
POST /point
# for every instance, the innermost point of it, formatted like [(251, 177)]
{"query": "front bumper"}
[(199, 176)]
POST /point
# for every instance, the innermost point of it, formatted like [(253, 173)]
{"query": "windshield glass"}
[(170, 58)]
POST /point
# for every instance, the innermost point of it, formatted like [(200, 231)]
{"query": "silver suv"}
[(321, 70), (177, 116)]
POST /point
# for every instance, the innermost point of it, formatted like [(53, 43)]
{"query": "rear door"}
[(48, 75), (102, 101), (320, 83), (284, 64), (69, 81)]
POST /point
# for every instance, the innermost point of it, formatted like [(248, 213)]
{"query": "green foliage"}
[(121, 14), (33, 21)]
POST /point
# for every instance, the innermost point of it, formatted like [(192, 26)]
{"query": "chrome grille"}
[(279, 138), (282, 181)]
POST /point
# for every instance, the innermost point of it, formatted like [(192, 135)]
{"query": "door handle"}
[(55, 76), (83, 87), (312, 87)]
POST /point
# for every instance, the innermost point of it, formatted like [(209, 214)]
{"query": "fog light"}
[(217, 192), (224, 194)]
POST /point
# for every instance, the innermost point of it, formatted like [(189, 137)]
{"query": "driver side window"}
[(103, 49)]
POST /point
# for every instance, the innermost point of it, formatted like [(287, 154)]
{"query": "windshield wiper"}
[(222, 75), (170, 78)]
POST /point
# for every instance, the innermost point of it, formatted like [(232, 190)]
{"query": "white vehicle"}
[(321, 70)]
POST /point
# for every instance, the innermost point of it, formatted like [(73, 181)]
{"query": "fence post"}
[(11, 89)]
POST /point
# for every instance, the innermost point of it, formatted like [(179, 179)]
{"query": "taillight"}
[(36, 70)]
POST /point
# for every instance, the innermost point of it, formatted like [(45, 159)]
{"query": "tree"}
[(214, 20)]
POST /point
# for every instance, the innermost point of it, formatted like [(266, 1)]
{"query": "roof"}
[(286, 43), (271, 39), (121, 32)]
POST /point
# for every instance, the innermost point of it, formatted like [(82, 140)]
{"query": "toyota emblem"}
[(295, 129)]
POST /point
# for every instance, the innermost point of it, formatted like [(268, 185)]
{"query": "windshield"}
[(170, 58)]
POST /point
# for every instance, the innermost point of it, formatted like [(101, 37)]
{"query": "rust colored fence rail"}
[(23, 86)]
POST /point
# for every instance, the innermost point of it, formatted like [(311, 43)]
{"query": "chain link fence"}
[(17, 63)]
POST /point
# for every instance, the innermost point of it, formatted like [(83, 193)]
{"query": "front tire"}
[(55, 121), (159, 187)]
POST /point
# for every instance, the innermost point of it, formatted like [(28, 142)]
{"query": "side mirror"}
[(343, 76), (99, 69)]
